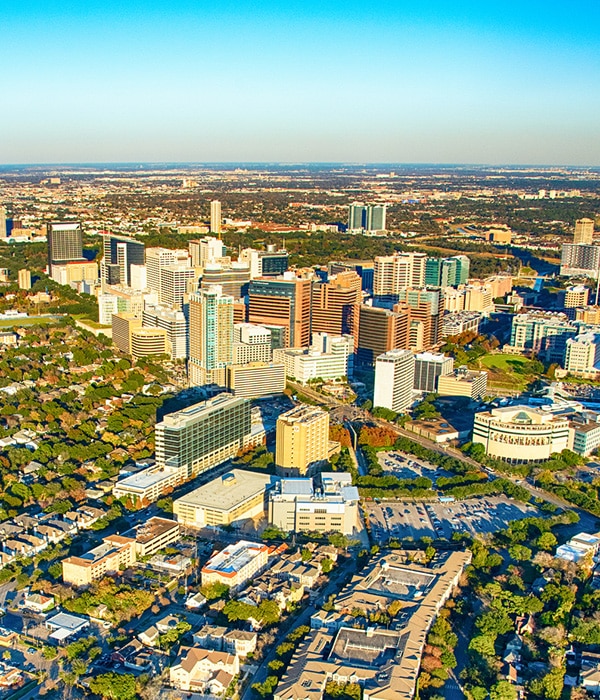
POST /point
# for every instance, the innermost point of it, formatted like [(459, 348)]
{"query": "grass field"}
[(510, 371), (28, 321)]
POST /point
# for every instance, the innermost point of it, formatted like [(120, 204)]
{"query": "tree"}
[(215, 590), (503, 690), (546, 541), (519, 552), (114, 686)]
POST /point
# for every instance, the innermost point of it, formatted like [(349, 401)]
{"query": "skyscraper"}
[(3, 228), (206, 250), (282, 302), (215, 216), (175, 282), (211, 336), (366, 217), (265, 263), (447, 272), (379, 330), (396, 272), (584, 231), (335, 305), (65, 243), (428, 367), (424, 309), (580, 259), (124, 252), (394, 379)]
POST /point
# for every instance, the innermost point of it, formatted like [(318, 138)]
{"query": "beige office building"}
[(24, 279), (302, 440), (584, 231), (582, 355), (226, 500), (215, 216), (463, 382), (576, 296), (123, 324), (149, 341), (393, 273)]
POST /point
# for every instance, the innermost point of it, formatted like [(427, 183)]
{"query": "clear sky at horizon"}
[(475, 82)]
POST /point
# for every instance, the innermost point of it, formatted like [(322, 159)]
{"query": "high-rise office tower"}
[(428, 367), (215, 216), (65, 243), (302, 440), (336, 304), (175, 283), (425, 310), (379, 330), (282, 302), (233, 278), (366, 217), (206, 250), (584, 231), (124, 252), (447, 272), (396, 272), (265, 263), (3, 223), (394, 379), (159, 258), (211, 336)]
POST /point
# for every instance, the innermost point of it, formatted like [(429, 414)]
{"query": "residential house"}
[(204, 670)]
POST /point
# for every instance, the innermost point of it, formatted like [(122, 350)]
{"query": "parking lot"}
[(406, 466), (414, 520)]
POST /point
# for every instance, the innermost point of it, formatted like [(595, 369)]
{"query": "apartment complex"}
[(226, 500), (579, 259), (302, 440), (119, 552), (211, 336), (384, 661), (298, 505)]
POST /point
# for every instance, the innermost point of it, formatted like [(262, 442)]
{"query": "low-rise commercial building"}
[(521, 434), (236, 564), (297, 505), (147, 485), (328, 358), (226, 500), (578, 547)]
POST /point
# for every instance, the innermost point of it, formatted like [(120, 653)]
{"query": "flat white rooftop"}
[(229, 490)]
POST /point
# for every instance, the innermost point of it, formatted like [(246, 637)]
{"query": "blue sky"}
[(476, 82)]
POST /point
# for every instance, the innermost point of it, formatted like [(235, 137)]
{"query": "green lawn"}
[(28, 321), (505, 370)]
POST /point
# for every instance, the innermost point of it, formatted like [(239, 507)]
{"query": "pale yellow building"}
[(227, 499), (463, 382), (576, 296), (302, 440), (584, 231), (118, 552), (256, 379), (123, 324), (588, 314), (24, 279), (149, 341), (582, 355)]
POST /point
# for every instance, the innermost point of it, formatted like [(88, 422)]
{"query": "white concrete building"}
[(329, 358), (236, 564), (521, 434), (394, 379)]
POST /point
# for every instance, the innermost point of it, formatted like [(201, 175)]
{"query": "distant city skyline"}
[(493, 83)]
